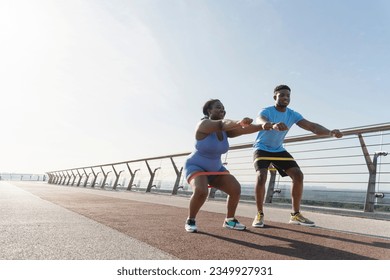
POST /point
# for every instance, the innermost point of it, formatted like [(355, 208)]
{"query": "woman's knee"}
[(231, 187), (201, 192), (235, 189)]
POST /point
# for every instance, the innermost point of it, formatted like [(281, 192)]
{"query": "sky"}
[(88, 82)]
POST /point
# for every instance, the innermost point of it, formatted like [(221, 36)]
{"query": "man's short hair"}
[(280, 87)]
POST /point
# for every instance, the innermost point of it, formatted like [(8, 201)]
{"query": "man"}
[(277, 120)]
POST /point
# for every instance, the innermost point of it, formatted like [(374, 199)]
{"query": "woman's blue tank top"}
[(207, 154)]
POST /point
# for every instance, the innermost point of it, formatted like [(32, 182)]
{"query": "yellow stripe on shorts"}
[(273, 158)]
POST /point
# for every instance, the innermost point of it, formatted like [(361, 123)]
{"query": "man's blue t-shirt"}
[(272, 140)]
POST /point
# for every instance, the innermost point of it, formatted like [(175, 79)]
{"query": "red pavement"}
[(163, 227)]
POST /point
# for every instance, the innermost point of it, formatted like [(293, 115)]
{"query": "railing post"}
[(59, 175), (86, 180), (57, 179), (79, 181), (212, 193), (50, 178), (74, 177), (64, 178), (117, 175), (94, 178), (369, 204), (271, 185), (105, 177), (152, 174), (70, 177), (132, 174), (178, 176), (370, 198)]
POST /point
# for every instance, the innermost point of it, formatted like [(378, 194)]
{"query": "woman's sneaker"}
[(298, 219), (190, 225), (258, 222), (232, 223)]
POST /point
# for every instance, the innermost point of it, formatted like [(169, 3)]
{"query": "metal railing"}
[(7, 176), (352, 172)]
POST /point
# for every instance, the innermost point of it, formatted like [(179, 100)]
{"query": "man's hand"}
[(280, 126), (336, 133), (267, 126)]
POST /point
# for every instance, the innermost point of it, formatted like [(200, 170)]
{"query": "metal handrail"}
[(292, 139), (56, 177)]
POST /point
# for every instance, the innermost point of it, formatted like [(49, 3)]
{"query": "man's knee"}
[(296, 174), (262, 176)]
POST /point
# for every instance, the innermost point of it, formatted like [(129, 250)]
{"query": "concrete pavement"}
[(32, 228)]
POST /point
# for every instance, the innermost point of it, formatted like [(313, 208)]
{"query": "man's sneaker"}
[(190, 225), (259, 220), (232, 223), (298, 219)]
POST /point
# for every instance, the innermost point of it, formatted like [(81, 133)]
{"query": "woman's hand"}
[(246, 122)]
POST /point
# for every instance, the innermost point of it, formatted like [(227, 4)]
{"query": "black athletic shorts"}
[(280, 160)]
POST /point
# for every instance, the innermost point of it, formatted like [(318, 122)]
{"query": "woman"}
[(211, 142)]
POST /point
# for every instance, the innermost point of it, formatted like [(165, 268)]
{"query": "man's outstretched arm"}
[(319, 129)]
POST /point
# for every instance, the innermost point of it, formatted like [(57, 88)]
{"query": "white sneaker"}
[(190, 225), (298, 219), (232, 223), (258, 222)]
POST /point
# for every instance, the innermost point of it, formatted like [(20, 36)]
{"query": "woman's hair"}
[(207, 106)]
